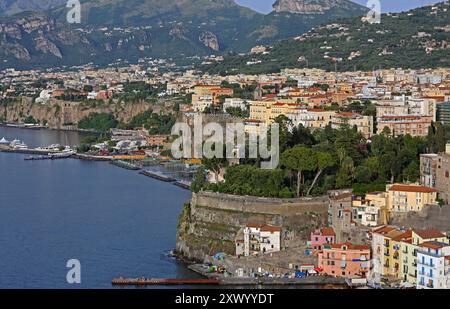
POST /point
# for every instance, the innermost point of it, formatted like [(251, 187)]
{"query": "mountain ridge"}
[(419, 38), (135, 29)]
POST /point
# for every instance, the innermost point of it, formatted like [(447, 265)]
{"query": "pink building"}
[(322, 237), (345, 260)]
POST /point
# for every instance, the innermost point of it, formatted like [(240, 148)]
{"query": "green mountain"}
[(11, 7), (419, 38), (133, 29)]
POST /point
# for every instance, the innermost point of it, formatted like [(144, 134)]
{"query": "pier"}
[(125, 165), (158, 176), (153, 281), (258, 281)]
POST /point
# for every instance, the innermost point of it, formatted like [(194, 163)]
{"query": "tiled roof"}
[(434, 245), (412, 188), (429, 233), (327, 231)]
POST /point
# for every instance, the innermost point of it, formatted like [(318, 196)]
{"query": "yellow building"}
[(207, 95), (268, 111), (364, 124), (261, 110), (409, 251), (391, 256), (409, 197)]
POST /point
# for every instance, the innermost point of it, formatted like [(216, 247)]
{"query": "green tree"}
[(345, 176), (324, 160), (299, 159)]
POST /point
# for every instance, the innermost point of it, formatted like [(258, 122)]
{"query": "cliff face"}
[(65, 115), (312, 6), (211, 221)]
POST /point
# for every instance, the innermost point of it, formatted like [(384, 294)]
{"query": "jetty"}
[(158, 176), (154, 281), (183, 184), (125, 165)]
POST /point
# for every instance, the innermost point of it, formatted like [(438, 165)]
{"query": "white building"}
[(259, 238), (433, 265), (92, 95), (234, 103), (44, 96), (202, 102)]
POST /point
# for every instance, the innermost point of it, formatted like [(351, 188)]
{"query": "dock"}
[(125, 165), (158, 176), (154, 281), (259, 281), (50, 156), (183, 184)]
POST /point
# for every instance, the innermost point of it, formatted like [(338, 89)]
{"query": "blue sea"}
[(114, 221)]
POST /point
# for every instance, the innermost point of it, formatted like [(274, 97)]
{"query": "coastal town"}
[(207, 143), (385, 237)]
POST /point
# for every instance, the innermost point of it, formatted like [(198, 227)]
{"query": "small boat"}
[(17, 144)]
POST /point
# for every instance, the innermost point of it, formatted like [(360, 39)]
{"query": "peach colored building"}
[(345, 260)]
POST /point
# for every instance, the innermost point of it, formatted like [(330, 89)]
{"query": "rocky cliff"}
[(65, 115), (211, 221), (134, 29), (313, 6)]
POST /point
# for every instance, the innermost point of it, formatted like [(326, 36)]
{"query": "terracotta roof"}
[(404, 236), (384, 229), (327, 231), (268, 228), (434, 245), (430, 233), (346, 114), (350, 246), (412, 188), (316, 110)]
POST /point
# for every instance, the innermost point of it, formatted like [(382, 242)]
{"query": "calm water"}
[(115, 221)]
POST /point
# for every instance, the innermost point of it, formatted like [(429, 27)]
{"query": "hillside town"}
[(358, 239)]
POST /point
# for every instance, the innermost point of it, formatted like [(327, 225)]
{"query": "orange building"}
[(345, 260)]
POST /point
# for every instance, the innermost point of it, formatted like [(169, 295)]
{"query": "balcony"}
[(429, 264)]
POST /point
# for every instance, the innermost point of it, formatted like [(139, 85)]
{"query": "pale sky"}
[(265, 6)]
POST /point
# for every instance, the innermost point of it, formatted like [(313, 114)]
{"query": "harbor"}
[(205, 271), (156, 282)]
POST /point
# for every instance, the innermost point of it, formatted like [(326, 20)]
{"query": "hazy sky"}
[(265, 6)]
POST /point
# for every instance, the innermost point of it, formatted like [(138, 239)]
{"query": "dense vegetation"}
[(139, 91), (155, 123), (101, 122), (312, 163)]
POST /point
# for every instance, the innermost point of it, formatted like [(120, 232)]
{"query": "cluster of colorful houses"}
[(358, 242), (405, 102)]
